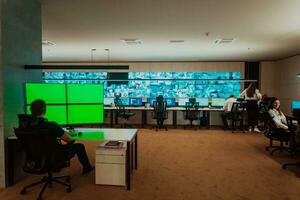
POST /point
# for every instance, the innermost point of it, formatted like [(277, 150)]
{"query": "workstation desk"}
[(95, 134), (144, 110)]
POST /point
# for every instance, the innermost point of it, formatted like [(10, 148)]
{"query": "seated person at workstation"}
[(38, 111), (227, 110), (278, 117)]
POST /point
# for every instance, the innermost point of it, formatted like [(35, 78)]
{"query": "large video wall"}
[(152, 84)]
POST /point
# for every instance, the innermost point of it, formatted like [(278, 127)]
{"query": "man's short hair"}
[(38, 107)]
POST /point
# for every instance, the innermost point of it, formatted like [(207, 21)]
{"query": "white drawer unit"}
[(110, 165)]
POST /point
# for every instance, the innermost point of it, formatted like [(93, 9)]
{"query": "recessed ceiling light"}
[(224, 40), (176, 41), (131, 41), (48, 43)]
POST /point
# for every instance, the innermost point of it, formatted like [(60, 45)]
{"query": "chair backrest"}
[(26, 120), (237, 110), (41, 149), (192, 110), (160, 109)]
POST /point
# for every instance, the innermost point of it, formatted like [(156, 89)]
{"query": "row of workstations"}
[(142, 117), (171, 102)]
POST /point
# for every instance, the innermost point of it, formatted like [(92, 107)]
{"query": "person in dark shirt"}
[(38, 111)]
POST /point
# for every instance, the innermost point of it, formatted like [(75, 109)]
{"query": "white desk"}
[(96, 134)]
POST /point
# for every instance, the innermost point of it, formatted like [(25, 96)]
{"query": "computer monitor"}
[(295, 105), (108, 101), (135, 102), (55, 113), (217, 102), (85, 93), (150, 101), (182, 101), (85, 114), (170, 102), (203, 102)]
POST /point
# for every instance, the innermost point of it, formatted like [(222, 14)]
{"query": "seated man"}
[(38, 110), (227, 109)]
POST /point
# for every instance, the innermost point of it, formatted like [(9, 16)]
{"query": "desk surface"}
[(168, 108), (102, 134)]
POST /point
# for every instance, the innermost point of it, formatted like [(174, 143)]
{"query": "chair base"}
[(48, 181), (284, 166)]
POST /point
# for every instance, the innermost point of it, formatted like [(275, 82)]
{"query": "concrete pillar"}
[(20, 44)]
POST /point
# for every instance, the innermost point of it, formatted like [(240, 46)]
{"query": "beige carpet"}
[(184, 165)]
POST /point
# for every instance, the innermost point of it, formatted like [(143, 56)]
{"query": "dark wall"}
[(252, 72), (21, 37)]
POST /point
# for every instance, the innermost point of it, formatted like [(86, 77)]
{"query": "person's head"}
[(159, 98), (38, 108), (251, 90), (231, 96), (274, 103)]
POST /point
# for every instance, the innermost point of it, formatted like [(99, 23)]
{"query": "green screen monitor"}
[(50, 93), (55, 113), (85, 114), (85, 93)]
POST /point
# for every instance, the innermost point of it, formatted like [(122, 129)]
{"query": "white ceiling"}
[(264, 29)]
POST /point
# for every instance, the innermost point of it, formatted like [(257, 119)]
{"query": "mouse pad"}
[(93, 135)]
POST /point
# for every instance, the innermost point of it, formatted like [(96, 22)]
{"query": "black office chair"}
[(160, 113), (192, 112), (237, 115), (43, 156), (276, 134), (123, 113)]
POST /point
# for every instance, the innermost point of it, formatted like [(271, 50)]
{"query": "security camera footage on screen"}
[(152, 84)]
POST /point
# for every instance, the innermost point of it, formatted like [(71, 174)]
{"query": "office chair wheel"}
[(23, 192), (69, 190), (68, 179), (283, 166)]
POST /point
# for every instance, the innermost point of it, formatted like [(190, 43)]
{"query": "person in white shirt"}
[(276, 114), (227, 109), (252, 96)]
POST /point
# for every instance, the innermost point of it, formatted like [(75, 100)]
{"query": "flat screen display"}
[(85, 93), (182, 101), (85, 114), (295, 105), (135, 102), (108, 101), (150, 101), (217, 102), (170, 101), (203, 102), (55, 113), (50, 93)]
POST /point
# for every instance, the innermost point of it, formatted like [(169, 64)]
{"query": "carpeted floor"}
[(184, 165)]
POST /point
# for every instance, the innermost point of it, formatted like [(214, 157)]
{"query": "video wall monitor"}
[(182, 101), (85, 93), (108, 101), (135, 102), (295, 105), (54, 113), (170, 102), (50, 93), (85, 114), (217, 102), (150, 101), (203, 102)]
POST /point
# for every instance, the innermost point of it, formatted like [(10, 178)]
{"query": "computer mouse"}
[(79, 133)]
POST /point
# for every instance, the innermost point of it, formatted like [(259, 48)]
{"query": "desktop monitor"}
[(182, 101), (150, 101), (217, 102), (295, 105), (124, 101), (85, 114), (108, 101), (203, 102), (85, 93), (135, 102), (170, 101), (54, 113), (50, 93)]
